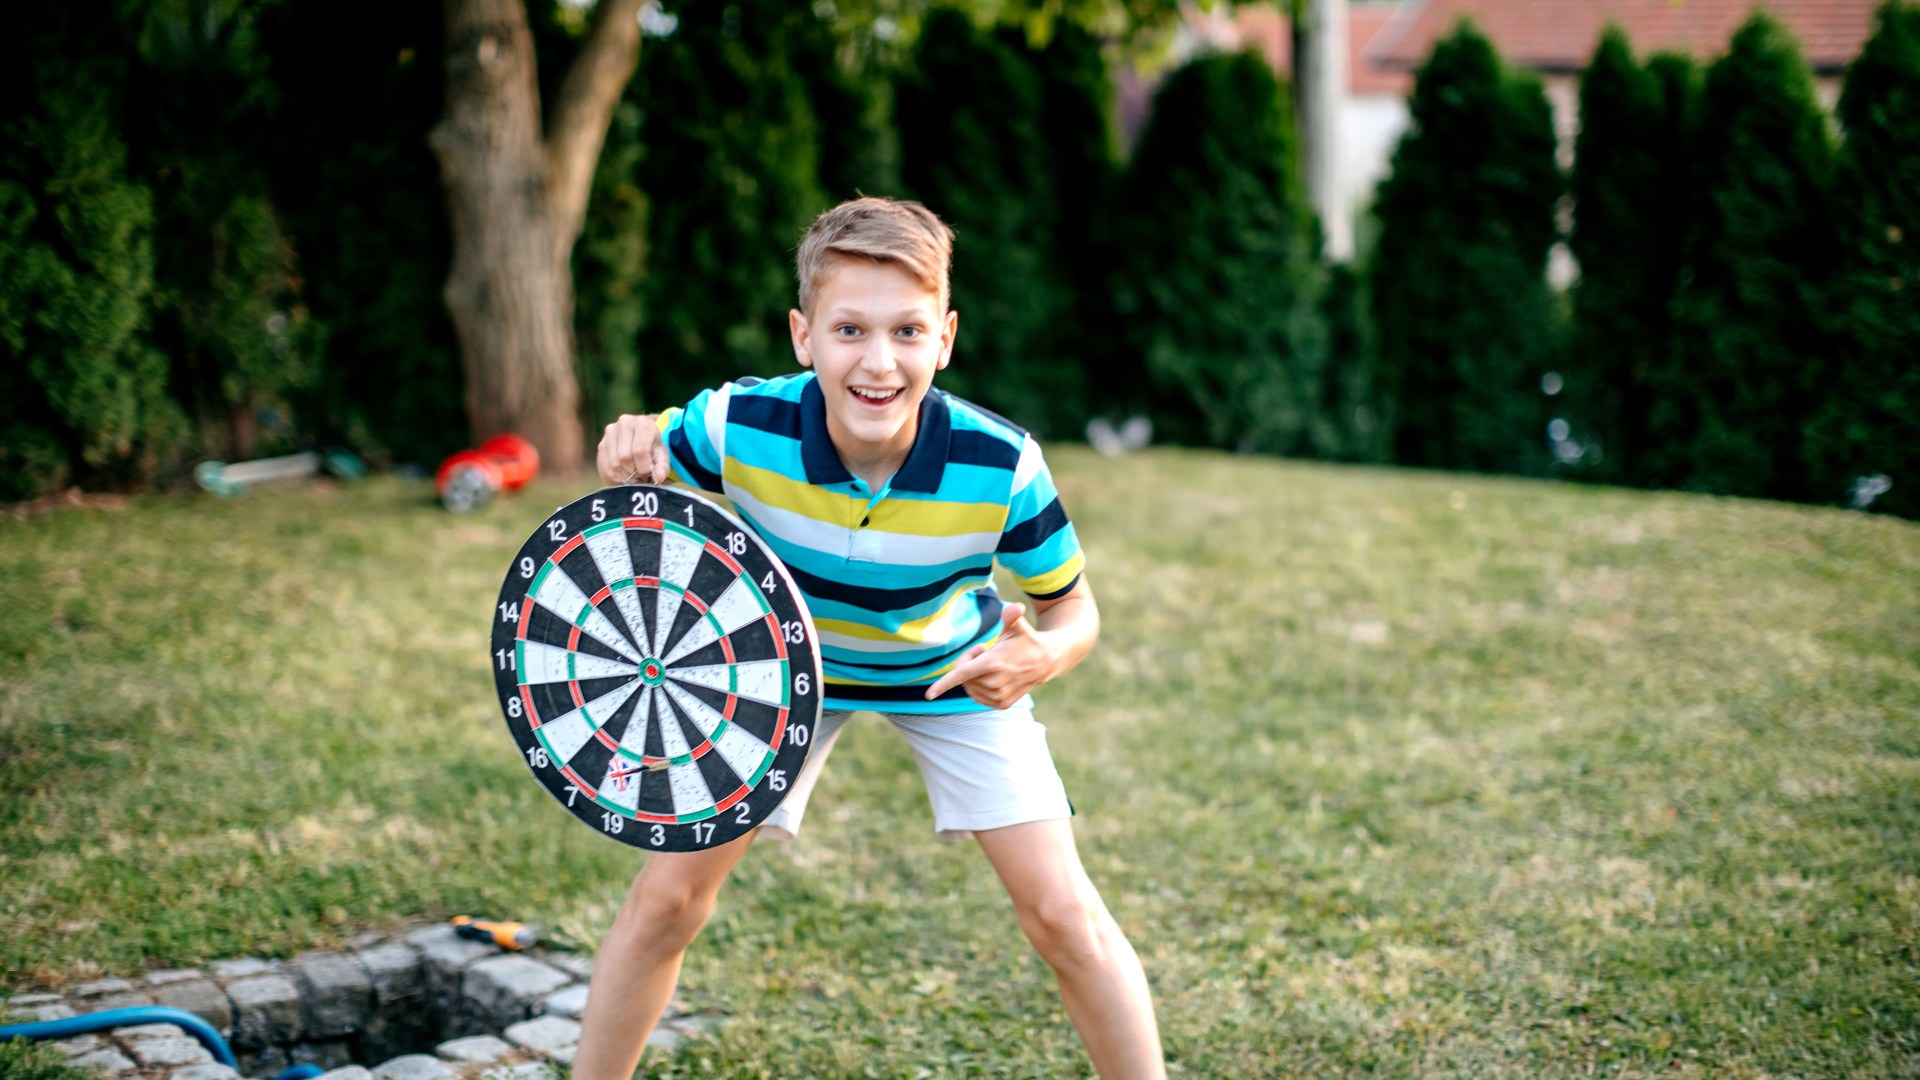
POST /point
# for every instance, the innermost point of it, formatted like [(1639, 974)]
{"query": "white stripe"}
[(1030, 465), (717, 423), (689, 788), (635, 740), (938, 634), (699, 636)]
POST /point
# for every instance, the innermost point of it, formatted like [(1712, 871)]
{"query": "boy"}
[(888, 503)]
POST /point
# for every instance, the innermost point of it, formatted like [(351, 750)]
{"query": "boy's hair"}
[(906, 234)]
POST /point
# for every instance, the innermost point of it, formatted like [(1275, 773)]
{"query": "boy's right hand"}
[(631, 452)]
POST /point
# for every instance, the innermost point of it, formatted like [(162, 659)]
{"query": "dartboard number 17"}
[(657, 668)]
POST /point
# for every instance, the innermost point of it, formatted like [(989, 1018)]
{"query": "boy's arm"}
[(1027, 654)]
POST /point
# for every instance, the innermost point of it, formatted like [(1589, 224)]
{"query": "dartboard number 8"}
[(657, 668)]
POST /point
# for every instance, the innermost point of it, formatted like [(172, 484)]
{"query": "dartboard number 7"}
[(657, 669)]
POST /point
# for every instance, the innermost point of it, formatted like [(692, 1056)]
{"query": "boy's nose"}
[(879, 357)]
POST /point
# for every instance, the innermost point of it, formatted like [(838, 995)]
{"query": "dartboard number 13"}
[(657, 668)]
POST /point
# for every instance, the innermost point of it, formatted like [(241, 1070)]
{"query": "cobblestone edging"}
[(426, 1005)]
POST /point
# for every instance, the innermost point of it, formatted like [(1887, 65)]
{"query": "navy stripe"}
[(1034, 531), (776, 416), (969, 447), (1057, 593), (881, 601), (689, 464), (890, 693)]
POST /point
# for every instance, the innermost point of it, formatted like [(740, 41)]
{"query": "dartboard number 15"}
[(656, 667)]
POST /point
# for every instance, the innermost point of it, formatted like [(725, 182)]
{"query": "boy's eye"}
[(846, 331), (910, 331)]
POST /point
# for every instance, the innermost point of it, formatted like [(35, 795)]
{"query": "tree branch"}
[(583, 109)]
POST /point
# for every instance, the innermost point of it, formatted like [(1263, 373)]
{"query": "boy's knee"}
[(1068, 929), (665, 912)]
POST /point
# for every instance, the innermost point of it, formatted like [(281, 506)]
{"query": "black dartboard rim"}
[(608, 672)]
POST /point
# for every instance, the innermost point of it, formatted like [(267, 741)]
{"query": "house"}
[(1388, 39)]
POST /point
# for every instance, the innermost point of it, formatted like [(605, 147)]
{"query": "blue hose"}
[(146, 1014)]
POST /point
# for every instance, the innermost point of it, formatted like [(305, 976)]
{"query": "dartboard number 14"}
[(657, 668)]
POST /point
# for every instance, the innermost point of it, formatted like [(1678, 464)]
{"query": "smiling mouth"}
[(873, 396)]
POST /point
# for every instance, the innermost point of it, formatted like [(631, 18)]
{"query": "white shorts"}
[(983, 770)]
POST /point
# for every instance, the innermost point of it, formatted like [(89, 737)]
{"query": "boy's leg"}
[(639, 962), (1100, 978)]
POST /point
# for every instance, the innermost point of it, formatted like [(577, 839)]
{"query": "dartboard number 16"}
[(657, 668)]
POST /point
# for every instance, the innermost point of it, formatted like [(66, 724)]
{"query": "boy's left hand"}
[(999, 675)]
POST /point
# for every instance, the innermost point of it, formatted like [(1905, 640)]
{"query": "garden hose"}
[(146, 1014)]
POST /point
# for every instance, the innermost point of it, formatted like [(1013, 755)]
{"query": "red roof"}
[(1560, 35), (1263, 27)]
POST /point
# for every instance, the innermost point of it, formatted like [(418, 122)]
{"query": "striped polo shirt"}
[(899, 580)]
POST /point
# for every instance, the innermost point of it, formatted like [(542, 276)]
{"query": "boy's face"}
[(875, 337)]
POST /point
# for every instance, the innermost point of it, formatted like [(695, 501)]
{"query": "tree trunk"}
[(515, 201)]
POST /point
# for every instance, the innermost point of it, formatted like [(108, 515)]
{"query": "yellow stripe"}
[(897, 515), (1054, 580)]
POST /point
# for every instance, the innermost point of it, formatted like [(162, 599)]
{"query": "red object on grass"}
[(471, 478)]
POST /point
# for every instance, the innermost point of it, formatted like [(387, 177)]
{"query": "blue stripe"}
[(686, 463)]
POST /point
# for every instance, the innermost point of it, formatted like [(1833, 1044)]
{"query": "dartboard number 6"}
[(657, 667)]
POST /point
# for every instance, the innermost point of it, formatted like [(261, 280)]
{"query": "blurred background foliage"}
[(222, 234)]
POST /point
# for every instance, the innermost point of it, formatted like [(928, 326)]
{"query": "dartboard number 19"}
[(657, 668)]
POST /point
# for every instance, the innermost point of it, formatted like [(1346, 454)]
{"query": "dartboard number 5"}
[(656, 669)]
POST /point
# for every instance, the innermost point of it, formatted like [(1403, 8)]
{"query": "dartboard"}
[(657, 667)]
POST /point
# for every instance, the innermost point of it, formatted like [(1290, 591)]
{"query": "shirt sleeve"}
[(1038, 544), (695, 435)]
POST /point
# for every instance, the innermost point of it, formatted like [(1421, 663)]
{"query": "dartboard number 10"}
[(656, 667)]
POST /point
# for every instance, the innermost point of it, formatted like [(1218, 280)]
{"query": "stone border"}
[(485, 1012)]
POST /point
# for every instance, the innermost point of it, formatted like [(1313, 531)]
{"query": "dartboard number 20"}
[(657, 668)]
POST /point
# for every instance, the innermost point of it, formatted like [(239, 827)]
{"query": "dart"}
[(507, 935)]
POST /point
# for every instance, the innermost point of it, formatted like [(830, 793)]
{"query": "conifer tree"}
[(731, 171), (83, 395), (1460, 298), (1868, 425), (1629, 187), (1751, 342), (1216, 284), (968, 110)]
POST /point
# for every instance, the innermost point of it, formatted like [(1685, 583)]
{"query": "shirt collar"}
[(926, 463)]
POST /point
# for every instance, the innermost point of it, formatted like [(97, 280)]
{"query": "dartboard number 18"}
[(657, 668)]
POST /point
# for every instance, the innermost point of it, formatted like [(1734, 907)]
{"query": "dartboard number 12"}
[(657, 668)]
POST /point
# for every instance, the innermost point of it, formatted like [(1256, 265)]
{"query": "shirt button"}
[(865, 521)]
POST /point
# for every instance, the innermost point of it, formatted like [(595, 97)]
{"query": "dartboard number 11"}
[(657, 668)]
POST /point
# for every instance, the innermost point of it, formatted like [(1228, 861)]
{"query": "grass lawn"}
[(1383, 772)]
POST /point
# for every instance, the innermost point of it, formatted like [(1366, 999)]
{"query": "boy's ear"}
[(949, 328), (797, 328)]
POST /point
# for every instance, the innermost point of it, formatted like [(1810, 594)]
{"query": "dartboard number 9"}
[(657, 668)]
